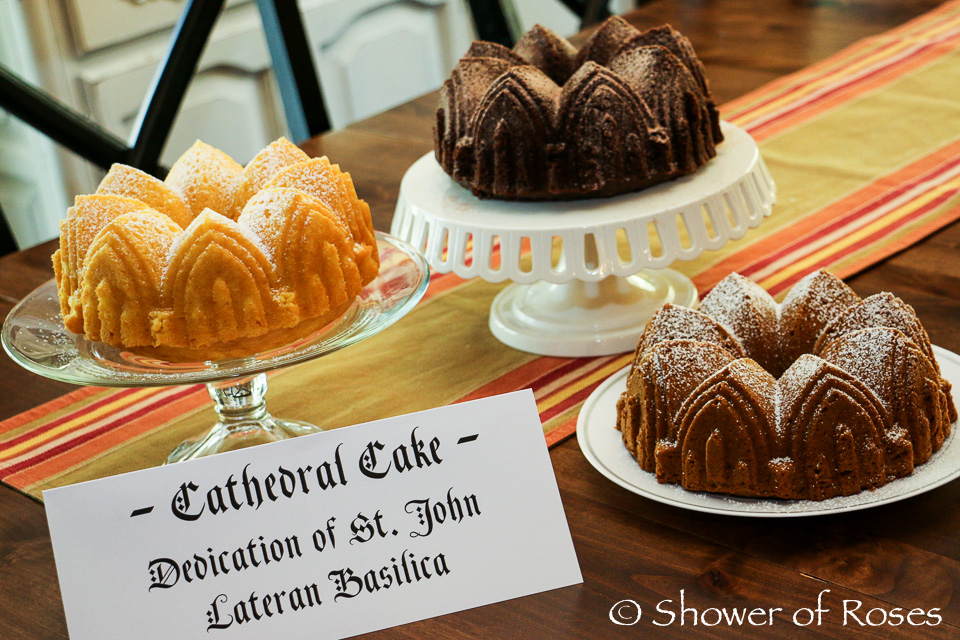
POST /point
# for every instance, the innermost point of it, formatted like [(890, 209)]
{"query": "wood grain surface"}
[(903, 555)]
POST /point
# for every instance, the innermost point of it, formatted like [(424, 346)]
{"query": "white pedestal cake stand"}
[(593, 294)]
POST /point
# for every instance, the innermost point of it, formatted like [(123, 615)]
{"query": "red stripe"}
[(756, 129), (853, 214), (559, 372), (519, 378), (573, 399), (79, 440), (742, 117), (933, 204), (67, 417), (838, 70)]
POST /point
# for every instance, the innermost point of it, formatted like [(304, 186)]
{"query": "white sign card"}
[(324, 536)]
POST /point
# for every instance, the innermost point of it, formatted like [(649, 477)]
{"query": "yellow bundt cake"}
[(823, 395), (217, 260)]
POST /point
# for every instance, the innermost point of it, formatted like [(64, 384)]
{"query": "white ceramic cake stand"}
[(594, 293), (34, 336)]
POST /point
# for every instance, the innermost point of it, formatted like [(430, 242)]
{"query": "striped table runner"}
[(865, 150)]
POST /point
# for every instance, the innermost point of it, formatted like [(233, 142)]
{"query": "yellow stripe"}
[(91, 416), (798, 93), (565, 392), (906, 209), (829, 68)]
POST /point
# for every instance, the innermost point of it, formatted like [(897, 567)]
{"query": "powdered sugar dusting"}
[(851, 384), (749, 313), (159, 231), (604, 449), (674, 322)]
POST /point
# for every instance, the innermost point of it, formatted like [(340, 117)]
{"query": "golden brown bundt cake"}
[(822, 396), (832, 434), (879, 355), (205, 177), (741, 303), (126, 181), (806, 310), (265, 165), (173, 269), (673, 322), (725, 435), (543, 121), (662, 380)]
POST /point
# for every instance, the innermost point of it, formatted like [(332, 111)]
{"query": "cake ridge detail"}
[(151, 265), (821, 396), (543, 121)]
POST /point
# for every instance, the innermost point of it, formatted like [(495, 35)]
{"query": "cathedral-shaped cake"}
[(218, 260), (545, 121), (823, 395)]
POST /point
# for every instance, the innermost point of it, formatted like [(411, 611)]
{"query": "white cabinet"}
[(370, 54), (373, 55), (230, 102), (100, 57), (31, 192)]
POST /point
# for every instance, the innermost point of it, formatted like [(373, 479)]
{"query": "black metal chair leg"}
[(156, 116), (293, 65), (491, 21), (7, 243), (59, 122), (594, 11)]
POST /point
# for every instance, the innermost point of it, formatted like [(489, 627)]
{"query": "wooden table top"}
[(904, 555)]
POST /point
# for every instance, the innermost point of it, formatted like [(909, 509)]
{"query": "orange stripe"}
[(49, 444), (874, 256), (894, 55), (561, 433), (766, 131), (556, 384), (442, 284), (583, 381), (838, 64), (519, 378), (52, 406), (809, 224), (95, 448), (804, 261), (82, 420)]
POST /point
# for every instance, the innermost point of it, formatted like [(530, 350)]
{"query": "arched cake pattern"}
[(543, 121), (122, 275), (823, 396), (141, 265)]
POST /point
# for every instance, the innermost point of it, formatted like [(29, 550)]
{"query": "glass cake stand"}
[(34, 336)]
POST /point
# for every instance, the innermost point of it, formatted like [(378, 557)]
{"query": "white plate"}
[(602, 445)]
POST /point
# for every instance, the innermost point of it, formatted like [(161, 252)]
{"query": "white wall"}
[(30, 180)]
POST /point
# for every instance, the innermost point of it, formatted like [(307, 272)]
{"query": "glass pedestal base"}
[(243, 422)]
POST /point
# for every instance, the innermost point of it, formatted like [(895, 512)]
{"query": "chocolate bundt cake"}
[(543, 121), (823, 395), (218, 260)]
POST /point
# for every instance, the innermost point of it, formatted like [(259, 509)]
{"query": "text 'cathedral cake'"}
[(218, 260), (823, 395), (544, 121)]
